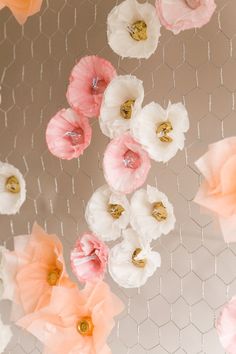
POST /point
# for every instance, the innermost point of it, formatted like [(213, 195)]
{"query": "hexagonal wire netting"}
[(176, 310)]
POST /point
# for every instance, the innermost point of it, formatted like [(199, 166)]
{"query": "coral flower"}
[(76, 321), (218, 190), (179, 15), (226, 327), (89, 79), (40, 268), (68, 134), (126, 164), (22, 9), (89, 258)]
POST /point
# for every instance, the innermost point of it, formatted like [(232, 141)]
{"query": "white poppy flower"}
[(132, 262), (122, 100), (8, 267), (5, 336), (12, 189), (133, 29), (160, 131), (151, 213), (107, 213)]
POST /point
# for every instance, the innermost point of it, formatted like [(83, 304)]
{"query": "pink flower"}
[(126, 164), (218, 190), (89, 79), (22, 9), (76, 321), (89, 258), (180, 15), (68, 134), (226, 327)]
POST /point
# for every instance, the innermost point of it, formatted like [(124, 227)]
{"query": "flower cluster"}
[(48, 303)]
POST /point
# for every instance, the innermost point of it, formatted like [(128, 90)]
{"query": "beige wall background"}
[(176, 310)]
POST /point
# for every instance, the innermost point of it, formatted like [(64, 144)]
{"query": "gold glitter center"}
[(115, 210), (140, 263), (85, 326), (13, 185), (126, 109), (159, 211), (54, 276), (163, 130), (138, 31)]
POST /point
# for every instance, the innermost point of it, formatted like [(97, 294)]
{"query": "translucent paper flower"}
[(226, 327), (89, 258), (12, 189), (88, 80), (5, 336), (132, 261), (125, 164), (68, 134), (122, 100), (133, 29), (107, 213), (218, 190), (151, 213), (76, 321), (22, 9), (160, 131), (179, 15)]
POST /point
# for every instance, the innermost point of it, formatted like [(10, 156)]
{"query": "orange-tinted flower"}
[(22, 9)]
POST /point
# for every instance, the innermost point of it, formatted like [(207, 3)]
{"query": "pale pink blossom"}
[(226, 327)]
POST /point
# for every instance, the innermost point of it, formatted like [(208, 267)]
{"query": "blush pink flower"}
[(22, 9), (226, 327), (180, 15), (68, 134), (125, 164), (218, 190), (76, 321), (88, 81), (89, 258)]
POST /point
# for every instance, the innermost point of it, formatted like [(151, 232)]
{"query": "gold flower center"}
[(138, 31), (115, 210), (163, 130), (159, 211), (54, 276), (193, 4), (85, 326), (140, 263), (126, 109), (13, 185)]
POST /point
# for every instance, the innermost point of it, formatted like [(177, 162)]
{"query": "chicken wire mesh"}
[(175, 311)]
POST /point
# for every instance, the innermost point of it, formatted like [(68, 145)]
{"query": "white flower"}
[(133, 29), (8, 268), (132, 262), (12, 189), (160, 131), (107, 213), (5, 336), (122, 100), (151, 213)]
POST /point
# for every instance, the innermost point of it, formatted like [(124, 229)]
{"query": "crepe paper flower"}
[(107, 213), (125, 164), (160, 131), (22, 9), (133, 29), (40, 265), (226, 327), (76, 321), (122, 100), (89, 258), (180, 15), (68, 134), (88, 81), (8, 268), (152, 214), (217, 192), (132, 261), (12, 189), (5, 336)]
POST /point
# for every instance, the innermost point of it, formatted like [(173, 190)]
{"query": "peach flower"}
[(125, 164), (22, 9), (88, 81), (68, 134), (89, 258), (180, 15), (226, 327), (39, 267), (76, 321), (218, 190)]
